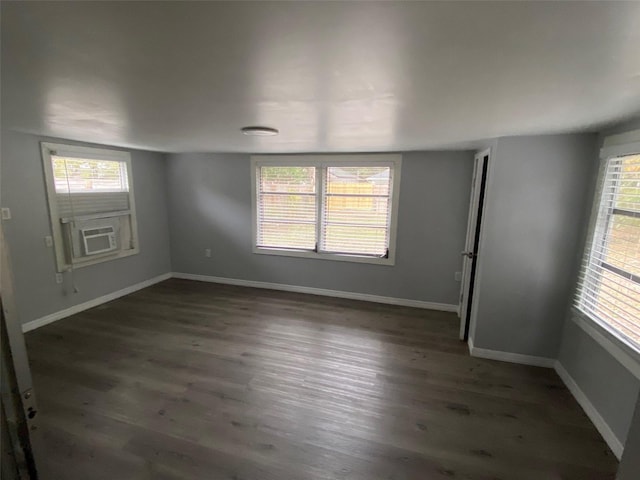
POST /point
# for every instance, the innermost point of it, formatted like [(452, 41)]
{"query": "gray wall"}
[(23, 190), (210, 207), (607, 384), (536, 195)]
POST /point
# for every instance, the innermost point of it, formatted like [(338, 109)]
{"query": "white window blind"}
[(609, 284), (325, 208), (287, 207), (86, 186), (356, 216), (78, 175)]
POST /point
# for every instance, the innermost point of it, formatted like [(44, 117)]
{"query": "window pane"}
[(356, 210), (288, 179), (288, 235), (77, 175), (287, 207), (627, 175), (365, 211), (617, 302), (356, 240), (358, 180), (623, 246), (609, 287)]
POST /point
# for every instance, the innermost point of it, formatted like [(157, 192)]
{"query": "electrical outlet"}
[(48, 241), (59, 278), (458, 276), (6, 213), (207, 253)]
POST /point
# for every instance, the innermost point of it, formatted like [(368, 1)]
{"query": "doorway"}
[(472, 242)]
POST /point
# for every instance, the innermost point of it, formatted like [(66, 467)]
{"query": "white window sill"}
[(325, 256), (620, 348)]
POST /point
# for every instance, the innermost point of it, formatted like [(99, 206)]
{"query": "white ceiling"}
[(330, 76)]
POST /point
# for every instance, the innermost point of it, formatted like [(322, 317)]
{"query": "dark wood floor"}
[(188, 380)]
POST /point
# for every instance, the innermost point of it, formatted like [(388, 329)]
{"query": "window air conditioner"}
[(99, 240)]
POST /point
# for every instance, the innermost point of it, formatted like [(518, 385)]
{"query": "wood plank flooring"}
[(188, 380)]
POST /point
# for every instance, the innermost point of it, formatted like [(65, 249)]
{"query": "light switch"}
[(6, 213)]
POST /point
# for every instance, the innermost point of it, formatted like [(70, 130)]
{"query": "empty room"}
[(320, 240)]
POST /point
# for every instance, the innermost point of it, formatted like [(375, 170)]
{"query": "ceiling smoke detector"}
[(260, 131)]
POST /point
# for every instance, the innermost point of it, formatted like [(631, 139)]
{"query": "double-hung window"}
[(340, 207), (609, 285), (91, 204)]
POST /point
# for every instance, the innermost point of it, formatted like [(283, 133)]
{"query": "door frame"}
[(478, 203), (19, 408)]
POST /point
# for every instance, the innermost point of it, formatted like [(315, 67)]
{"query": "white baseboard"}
[(39, 322), (52, 317), (510, 357), (444, 307), (607, 434), (600, 424)]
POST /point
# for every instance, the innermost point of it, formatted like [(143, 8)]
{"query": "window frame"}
[(48, 150), (626, 350), (321, 162)]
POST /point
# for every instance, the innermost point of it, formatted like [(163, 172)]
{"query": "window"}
[(91, 204), (332, 207), (609, 285)]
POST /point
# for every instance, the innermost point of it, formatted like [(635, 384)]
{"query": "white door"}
[(470, 253)]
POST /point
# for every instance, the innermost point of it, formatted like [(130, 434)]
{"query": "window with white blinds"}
[(609, 284), (287, 207), (89, 190), (327, 207), (77, 175)]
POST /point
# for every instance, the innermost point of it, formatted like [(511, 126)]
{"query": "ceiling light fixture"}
[(260, 131)]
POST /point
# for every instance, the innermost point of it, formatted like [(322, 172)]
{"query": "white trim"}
[(626, 355), (404, 302), (52, 317), (475, 301), (393, 160), (601, 425), (510, 357), (620, 150), (626, 143), (324, 256), (475, 215)]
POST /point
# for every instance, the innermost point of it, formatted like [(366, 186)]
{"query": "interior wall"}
[(536, 193), (609, 386), (34, 268), (210, 207)]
